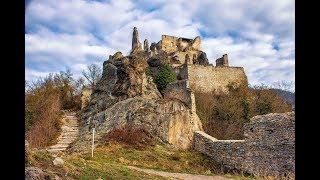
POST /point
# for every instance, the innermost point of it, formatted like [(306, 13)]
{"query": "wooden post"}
[(92, 147)]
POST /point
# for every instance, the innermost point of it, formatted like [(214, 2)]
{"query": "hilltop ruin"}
[(127, 100), (125, 95)]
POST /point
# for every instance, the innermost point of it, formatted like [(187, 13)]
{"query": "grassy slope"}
[(110, 161)]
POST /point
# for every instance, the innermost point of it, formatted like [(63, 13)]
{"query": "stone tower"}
[(146, 45), (136, 45), (223, 61)]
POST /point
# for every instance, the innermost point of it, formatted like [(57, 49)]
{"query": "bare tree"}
[(284, 85), (92, 74), (80, 84)]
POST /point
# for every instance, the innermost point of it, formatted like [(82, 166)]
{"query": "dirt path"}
[(70, 132), (178, 175)]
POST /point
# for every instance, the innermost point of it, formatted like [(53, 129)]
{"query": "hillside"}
[(286, 95)]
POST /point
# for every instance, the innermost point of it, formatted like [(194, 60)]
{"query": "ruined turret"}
[(223, 61), (146, 45), (136, 45)]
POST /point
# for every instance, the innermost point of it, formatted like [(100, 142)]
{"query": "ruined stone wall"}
[(169, 43), (193, 55), (180, 90), (209, 78), (267, 150), (230, 153)]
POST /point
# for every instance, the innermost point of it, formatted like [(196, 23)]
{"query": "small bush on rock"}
[(165, 76)]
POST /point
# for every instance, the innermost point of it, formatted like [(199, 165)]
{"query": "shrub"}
[(44, 100), (165, 76), (223, 116), (135, 137)]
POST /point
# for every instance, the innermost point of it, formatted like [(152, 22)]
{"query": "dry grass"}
[(47, 123), (43, 104), (133, 137), (111, 160)]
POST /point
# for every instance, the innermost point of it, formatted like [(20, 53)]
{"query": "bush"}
[(44, 100), (138, 138), (223, 116), (165, 76)]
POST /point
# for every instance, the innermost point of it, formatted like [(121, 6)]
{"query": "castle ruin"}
[(191, 63), (127, 98)]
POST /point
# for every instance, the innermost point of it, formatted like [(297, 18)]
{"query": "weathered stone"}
[(212, 79), (146, 45), (202, 59), (58, 161), (267, 150), (170, 121), (196, 43), (136, 45), (223, 61)]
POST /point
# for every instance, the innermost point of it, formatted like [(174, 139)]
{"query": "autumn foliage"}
[(224, 115)]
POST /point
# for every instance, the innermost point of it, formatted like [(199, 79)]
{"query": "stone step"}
[(69, 133)]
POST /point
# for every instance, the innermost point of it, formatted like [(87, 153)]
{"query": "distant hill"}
[(286, 95)]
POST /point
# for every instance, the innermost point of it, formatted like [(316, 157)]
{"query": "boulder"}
[(58, 161)]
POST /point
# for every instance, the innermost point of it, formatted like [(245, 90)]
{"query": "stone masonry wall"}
[(267, 150), (209, 78)]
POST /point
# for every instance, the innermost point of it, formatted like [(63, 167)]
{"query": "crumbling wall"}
[(223, 61), (169, 43), (181, 91), (209, 78), (267, 150)]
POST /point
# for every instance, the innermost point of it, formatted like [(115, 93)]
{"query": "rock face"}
[(169, 121), (136, 45), (126, 98), (267, 150)]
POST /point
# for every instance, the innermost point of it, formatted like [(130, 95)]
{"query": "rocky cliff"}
[(126, 98)]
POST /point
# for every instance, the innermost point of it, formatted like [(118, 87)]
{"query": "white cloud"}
[(75, 33)]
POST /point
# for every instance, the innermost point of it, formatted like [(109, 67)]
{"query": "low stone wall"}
[(230, 153), (267, 150)]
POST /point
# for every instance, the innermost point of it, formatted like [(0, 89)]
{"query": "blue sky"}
[(257, 35)]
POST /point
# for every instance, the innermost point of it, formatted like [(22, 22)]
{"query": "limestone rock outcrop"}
[(169, 121), (125, 97), (136, 45)]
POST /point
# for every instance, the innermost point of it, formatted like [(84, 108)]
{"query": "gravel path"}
[(178, 175), (70, 132)]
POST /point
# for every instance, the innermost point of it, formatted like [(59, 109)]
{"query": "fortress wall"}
[(267, 150), (209, 78)]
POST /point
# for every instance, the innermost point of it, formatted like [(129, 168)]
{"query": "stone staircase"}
[(70, 132)]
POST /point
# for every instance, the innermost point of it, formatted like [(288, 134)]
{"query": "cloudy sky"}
[(258, 35)]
